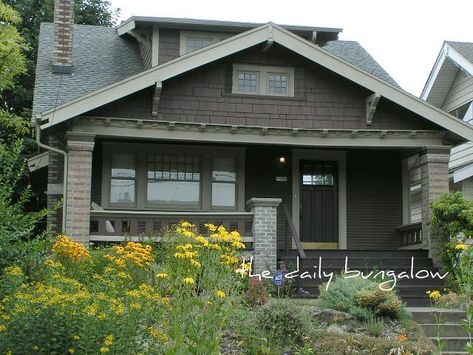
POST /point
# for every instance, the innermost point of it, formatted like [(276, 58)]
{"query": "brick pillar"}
[(63, 33), (55, 188), (79, 180), (264, 232), (434, 180)]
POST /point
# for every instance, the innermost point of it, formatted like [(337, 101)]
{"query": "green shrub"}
[(257, 293), (360, 297), (374, 326), (282, 319)]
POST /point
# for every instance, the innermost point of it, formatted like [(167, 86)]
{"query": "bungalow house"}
[(450, 87), (299, 140)]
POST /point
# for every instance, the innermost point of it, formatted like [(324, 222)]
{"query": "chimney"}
[(63, 33)]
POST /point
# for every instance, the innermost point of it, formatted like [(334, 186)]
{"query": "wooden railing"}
[(294, 234), (411, 234), (113, 226)]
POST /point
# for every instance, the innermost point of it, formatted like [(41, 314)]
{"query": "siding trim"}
[(322, 155)]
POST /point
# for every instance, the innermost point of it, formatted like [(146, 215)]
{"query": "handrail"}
[(295, 235), (171, 213)]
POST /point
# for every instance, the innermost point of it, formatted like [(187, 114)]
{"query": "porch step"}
[(412, 290), (446, 324)]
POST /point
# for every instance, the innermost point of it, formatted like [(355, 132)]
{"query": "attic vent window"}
[(191, 41), (263, 80)]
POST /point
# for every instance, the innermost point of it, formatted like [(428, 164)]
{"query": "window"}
[(464, 112), (248, 82), (263, 80), (318, 173), (173, 177), (191, 41), (194, 44), (277, 83), (173, 180), (123, 175), (224, 182)]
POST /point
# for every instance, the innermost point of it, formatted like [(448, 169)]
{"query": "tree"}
[(17, 227), (19, 99)]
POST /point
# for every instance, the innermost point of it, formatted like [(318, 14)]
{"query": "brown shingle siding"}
[(323, 100), (168, 45)]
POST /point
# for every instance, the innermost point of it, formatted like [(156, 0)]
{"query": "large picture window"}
[(173, 180), (173, 177)]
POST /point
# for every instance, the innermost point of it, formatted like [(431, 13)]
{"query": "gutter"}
[(37, 125)]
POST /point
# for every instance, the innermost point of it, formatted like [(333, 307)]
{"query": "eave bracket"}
[(156, 97), (371, 104)]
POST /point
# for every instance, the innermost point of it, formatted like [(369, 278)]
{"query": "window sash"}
[(270, 81)]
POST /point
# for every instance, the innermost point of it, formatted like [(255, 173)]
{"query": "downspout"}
[(64, 154)]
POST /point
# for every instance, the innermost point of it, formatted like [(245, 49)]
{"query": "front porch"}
[(281, 198)]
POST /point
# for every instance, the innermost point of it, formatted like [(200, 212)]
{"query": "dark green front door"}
[(318, 205)]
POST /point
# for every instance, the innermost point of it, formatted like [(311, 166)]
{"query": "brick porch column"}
[(434, 182), (264, 232), (79, 175)]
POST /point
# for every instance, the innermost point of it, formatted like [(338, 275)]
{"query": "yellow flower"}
[(196, 263), (189, 281), (35, 347), (461, 247), (76, 337), (162, 275), (13, 271), (67, 248), (402, 337), (3, 327), (163, 338), (434, 294), (104, 349), (221, 294), (109, 340), (136, 306), (71, 350), (186, 224)]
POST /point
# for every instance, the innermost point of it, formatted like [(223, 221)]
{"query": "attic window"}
[(464, 112), (191, 41), (263, 80)]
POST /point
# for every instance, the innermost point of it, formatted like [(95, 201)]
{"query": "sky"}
[(404, 36)]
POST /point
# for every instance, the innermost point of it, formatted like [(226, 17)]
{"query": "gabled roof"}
[(100, 58), (453, 56), (263, 34)]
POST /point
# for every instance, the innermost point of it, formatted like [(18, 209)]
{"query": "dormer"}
[(163, 39)]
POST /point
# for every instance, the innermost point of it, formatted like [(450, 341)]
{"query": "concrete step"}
[(445, 330), (452, 343), (428, 315), (358, 262)]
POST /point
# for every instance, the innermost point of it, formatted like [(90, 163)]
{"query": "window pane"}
[(194, 44), (122, 191), (247, 82), (175, 181), (123, 165), (277, 83), (174, 192), (224, 169), (223, 194)]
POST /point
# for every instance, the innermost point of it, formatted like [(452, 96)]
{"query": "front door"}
[(318, 205)]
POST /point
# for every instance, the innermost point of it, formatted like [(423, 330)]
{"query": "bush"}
[(360, 297), (374, 326), (257, 293), (124, 299)]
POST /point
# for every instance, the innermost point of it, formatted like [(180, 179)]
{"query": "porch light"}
[(282, 160)]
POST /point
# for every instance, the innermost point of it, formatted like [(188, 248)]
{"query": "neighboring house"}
[(450, 87), (284, 132)]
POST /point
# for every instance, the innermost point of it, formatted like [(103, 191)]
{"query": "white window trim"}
[(213, 38), (263, 71)]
